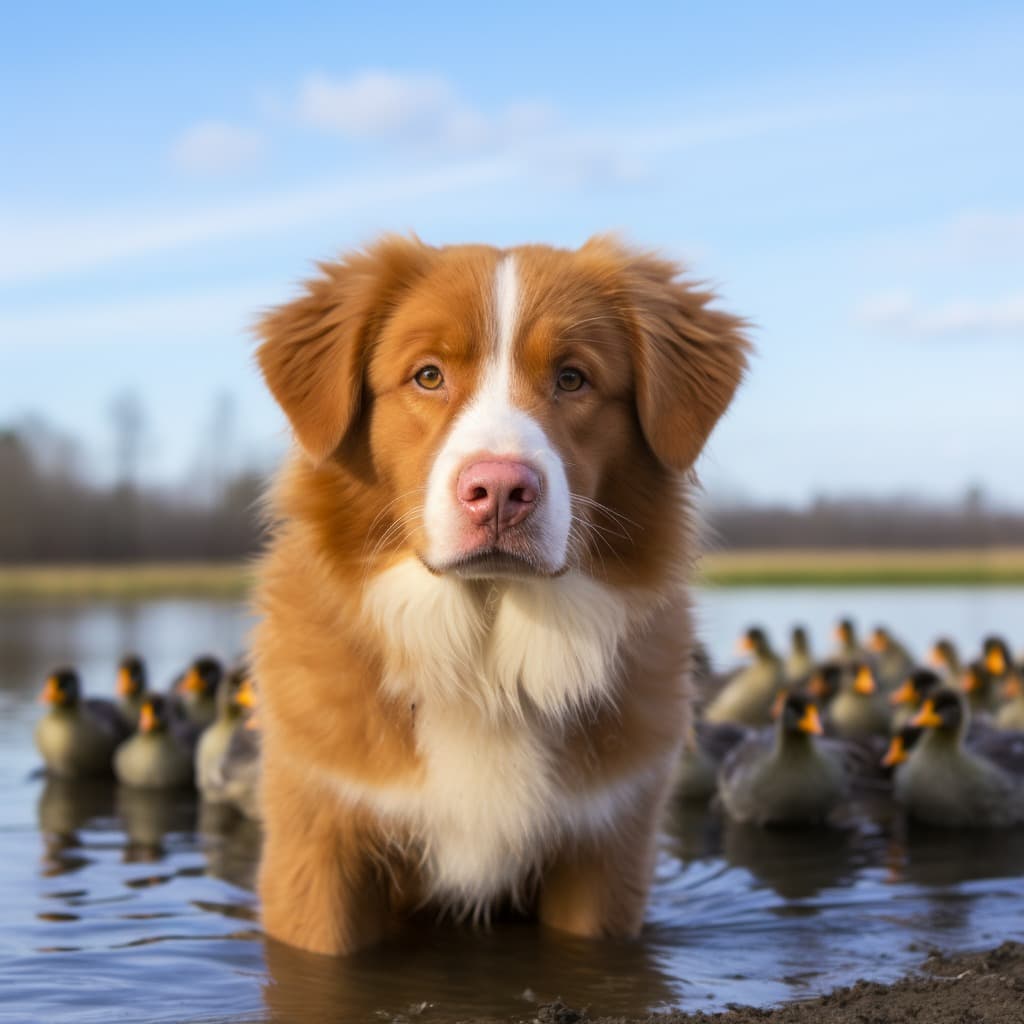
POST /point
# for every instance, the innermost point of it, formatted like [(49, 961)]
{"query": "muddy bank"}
[(969, 988)]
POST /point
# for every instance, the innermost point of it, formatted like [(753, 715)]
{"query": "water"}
[(118, 906)]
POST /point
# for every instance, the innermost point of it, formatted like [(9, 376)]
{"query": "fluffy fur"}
[(461, 726)]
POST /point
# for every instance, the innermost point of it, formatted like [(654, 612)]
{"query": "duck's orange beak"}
[(191, 683), (878, 642), (906, 694), (1013, 688), (811, 722), (864, 683), (125, 686), (245, 695), (926, 718), (744, 646), (935, 658), (147, 718), (995, 662), (896, 754), (971, 681), (51, 692)]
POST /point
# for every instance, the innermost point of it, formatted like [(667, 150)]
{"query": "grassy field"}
[(717, 569), (123, 582)]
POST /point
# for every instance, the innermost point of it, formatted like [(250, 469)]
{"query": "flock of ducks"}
[(782, 740), (792, 740), (202, 732)]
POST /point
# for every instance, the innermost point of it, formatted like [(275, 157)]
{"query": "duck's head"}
[(943, 654), (943, 712), (153, 714), (797, 715), (800, 642), (846, 632), (996, 656), (900, 746), (880, 640), (976, 679), (861, 680), (916, 687), (131, 676), (826, 681), (755, 641), (62, 689), (237, 695), (202, 678)]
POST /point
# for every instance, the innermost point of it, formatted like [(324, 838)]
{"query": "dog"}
[(474, 630)]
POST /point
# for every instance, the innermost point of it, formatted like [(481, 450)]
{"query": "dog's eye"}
[(430, 378), (570, 379)]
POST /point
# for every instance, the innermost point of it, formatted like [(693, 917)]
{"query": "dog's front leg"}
[(599, 885), (318, 882)]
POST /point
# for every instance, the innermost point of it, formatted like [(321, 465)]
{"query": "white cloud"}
[(214, 147), (898, 312), (185, 316)]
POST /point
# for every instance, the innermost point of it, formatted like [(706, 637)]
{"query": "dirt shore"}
[(968, 988)]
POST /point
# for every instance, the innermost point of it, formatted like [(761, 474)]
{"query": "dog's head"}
[(514, 412)]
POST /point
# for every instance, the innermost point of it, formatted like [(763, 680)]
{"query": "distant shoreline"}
[(777, 567)]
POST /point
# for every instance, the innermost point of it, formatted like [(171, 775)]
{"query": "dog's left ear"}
[(315, 348), (688, 358)]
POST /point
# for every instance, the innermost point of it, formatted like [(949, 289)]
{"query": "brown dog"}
[(475, 624)]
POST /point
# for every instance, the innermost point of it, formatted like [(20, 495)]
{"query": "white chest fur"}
[(496, 675)]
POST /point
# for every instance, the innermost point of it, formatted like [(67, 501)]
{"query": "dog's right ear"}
[(313, 355)]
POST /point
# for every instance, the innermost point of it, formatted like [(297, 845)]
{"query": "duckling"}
[(943, 783), (785, 777), (945, 657), (77, 737), (747, 697), (1011, 714), (195, 692), (859, 710), (131, 688), (235, 780), (235, 696), (980, 687), (800, 663), (892, 659), (849, 648), (908, 698), (154, 758)]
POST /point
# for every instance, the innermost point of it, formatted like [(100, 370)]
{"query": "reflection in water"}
[(147, 898)]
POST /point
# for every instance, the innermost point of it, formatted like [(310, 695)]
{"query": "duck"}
[(892, 659), (785, 776), (195, 692), (705, 746), (859, 710), (236, 781), (747, 697), (906, 701), (981, 687), (235, 697), (131, 688), (154, 758), (800, 663), (1011, 714), (848, 645), (945, 658), (77, 737), (825, 682), (944, 783)]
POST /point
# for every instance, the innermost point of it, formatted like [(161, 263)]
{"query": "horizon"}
[(849, 180)]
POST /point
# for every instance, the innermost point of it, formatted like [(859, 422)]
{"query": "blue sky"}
[(852, 179)]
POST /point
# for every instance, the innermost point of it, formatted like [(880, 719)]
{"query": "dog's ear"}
[(688, 358), (314, 350)]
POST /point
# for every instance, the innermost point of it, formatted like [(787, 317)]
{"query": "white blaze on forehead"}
[(492, 426)]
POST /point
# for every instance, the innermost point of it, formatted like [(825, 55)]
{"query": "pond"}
[(118, 906)]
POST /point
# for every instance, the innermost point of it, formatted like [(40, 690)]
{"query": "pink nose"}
[(498, 492)]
